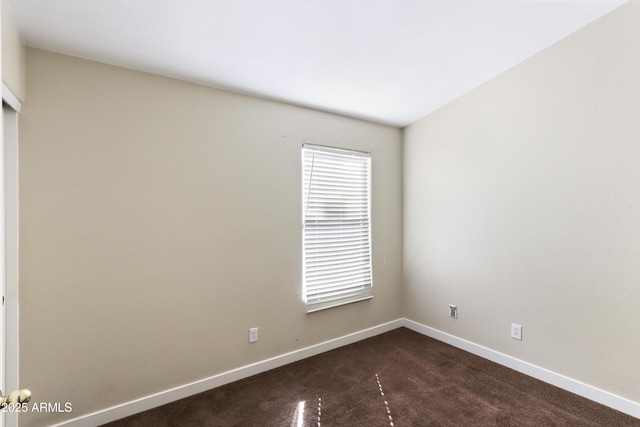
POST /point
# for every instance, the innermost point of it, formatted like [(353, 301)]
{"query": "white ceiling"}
[(388, 61)]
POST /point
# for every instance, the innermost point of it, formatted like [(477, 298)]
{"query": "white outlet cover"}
[(516, 331), (453, 311)]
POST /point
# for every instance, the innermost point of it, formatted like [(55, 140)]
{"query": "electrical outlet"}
[(253, 334), (516, 332), (453, 311)]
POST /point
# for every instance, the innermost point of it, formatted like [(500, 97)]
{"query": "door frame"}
[(11, 107)]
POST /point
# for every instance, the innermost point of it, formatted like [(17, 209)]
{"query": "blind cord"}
[(306, 206)]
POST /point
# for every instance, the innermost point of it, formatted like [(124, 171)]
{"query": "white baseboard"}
[(149, 402), (581, 389)]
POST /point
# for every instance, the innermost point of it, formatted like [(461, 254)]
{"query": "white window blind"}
[(336, 209)]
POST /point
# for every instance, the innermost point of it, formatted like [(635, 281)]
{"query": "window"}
[(336, 213)]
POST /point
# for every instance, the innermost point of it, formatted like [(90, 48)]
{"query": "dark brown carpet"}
[(399, 378)]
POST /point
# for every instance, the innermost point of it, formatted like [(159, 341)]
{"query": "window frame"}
[(317, 296)]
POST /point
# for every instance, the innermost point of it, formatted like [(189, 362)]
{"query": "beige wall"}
[(160, 220), (13, 54), (522, 204)]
